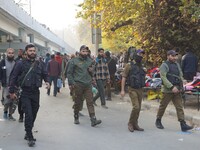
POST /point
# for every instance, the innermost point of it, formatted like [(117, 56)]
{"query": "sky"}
[(55, 14)]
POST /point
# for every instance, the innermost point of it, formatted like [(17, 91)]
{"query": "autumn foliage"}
[(154, 25)]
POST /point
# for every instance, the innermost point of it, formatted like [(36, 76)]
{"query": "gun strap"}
[(27, 73)]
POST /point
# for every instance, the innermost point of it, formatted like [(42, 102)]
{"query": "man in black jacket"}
[(112, 69), (6, 66), (189, 65), (28, 74)]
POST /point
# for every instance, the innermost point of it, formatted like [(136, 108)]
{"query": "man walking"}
[(112, 69), (20, 57), (135, 76), (6, 66), (101, 76), (172, 78), (28, 74), (80, 81), (54, 70), (189, 64)]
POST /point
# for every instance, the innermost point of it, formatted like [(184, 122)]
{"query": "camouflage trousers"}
[(81, 91)]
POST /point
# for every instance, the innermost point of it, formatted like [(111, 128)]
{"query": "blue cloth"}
[(59, 83)]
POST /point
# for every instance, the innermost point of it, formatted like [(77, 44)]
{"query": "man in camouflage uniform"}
[(172, 78), (80, 81)]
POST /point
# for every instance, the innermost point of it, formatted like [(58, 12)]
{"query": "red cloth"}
[(58, 58)]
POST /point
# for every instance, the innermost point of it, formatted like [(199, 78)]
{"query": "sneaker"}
[(104, 106), (11, 118)]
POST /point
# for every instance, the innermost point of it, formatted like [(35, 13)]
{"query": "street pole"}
[(96, 30)]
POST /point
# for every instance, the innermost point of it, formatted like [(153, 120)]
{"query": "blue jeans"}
[(54, 79)]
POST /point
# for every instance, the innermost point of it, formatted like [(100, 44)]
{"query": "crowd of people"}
[(22, 77)]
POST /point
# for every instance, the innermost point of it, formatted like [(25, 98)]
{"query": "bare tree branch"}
[(121, 24)]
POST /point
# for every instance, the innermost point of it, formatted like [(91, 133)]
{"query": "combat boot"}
[(159, 124), (31, 142), (136, 127), (76, 119), (94, 121), (130, 127), (30, 139), (184, 126), (21, 118), (26, 137)]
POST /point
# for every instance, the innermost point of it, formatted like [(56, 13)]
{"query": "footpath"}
[(192, 114)]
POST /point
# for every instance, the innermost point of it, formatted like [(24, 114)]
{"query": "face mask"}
[(138, 59)]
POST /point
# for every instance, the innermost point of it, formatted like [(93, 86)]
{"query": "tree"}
[(84, 34), (155, 25)]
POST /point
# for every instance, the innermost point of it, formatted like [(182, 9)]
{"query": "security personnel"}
[(28, 74), (135, 76), (80, 82), (172, 78)]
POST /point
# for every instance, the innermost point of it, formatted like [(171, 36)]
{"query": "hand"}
[(108, 81), (175, 90), (47, 85), (71, 87), (90, 69), (13, 96), (94, 82), (184, 82), (122, 93)]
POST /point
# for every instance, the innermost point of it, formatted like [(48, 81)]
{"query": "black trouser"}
[(20, 110), (30, 105), (189, 75), (101, 91), (55, 89)]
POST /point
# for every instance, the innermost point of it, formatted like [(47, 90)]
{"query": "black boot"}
[(31, 142), (94, 121), (21, 118), (26, 137), (30, 139), (76, 119), (184, 126), (159, 124)]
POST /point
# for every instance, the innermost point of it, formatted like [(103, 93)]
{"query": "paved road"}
[(54, 129)]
